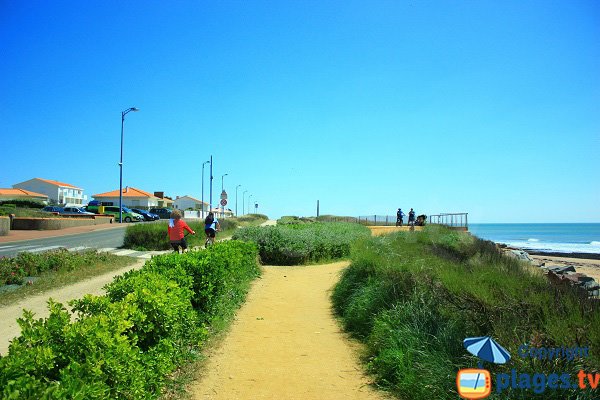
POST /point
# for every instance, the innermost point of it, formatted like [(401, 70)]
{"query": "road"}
[(101, 239)]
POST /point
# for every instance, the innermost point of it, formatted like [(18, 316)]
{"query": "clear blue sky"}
[(485, 107)]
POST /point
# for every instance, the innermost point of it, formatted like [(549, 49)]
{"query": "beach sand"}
[(590, 267)]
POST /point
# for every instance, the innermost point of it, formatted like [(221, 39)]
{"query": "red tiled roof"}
[(57, 183), (20, 192), (127, 192)]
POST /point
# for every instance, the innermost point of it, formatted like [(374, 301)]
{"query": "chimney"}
[(126, 189)]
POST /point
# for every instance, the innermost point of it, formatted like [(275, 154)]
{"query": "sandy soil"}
[(286, 344), (585, 266), (9, 328)]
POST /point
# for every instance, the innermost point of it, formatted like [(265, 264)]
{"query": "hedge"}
[(293, 244), (125, 344)]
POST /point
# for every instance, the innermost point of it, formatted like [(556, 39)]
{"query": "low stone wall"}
[(43, 224), (4, 226)]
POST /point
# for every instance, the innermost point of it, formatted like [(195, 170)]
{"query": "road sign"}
[(223, 195), (223, 202)]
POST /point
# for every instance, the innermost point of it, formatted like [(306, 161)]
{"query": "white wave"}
[(594, 243), (556, 247), (533, 240)]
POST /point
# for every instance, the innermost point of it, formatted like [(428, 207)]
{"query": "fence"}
[(377, 220), (453, 220)]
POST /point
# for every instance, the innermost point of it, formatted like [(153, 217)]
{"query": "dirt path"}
[(9, 328), (286, 344)]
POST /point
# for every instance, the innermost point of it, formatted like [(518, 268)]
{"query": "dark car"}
[(163, 213), (148, 216)]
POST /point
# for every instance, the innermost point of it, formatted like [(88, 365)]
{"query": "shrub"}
[(22, 203), (414, 296), (126, 344), (295, 244)]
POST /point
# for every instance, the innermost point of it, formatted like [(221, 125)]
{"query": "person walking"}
[(399, 217), (211, 226), (175, 230)]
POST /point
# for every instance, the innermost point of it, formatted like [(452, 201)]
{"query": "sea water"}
[(561, 238)]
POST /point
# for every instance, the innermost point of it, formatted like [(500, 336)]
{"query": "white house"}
[(58, 192), (132, 197), (22, 194), (187, 202)]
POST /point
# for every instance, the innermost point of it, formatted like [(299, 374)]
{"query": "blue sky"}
[(485, 107)]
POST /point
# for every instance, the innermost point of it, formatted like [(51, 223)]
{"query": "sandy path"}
[(583, 265), (286, 344), (9, 328)]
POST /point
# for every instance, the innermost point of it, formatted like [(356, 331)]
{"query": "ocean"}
[(559, 238)]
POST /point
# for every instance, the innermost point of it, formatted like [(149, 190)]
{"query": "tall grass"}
[(414, 296), (294, 244)]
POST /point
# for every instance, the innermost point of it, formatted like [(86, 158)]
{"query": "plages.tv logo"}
[(476, 383)]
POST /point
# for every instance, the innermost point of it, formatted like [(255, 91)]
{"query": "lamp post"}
[(236, 188), (202, 204), (123, 114), (249, 203), (243, 200), (222, 191), (211, 179)]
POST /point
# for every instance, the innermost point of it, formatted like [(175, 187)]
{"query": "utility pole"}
[(211, 179), (317, 208)]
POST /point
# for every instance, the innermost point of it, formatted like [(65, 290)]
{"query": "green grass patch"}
[(80, 266), (129, 343), (8, 209), (413, 297), (295, 244)]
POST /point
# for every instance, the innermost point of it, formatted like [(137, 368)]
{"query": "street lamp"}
[(222, 191), (236, 188), (249, 203), (243, 200), (202, 204), (123, 114)]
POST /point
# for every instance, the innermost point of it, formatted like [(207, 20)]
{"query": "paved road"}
[(108, 240)]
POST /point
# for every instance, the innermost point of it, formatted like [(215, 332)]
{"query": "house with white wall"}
[(132, 197), (188, 202), (22, 194), (58, 192)]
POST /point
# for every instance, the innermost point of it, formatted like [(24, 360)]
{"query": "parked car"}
[(128, 215), (52, 209), (163, 213), (148, 216), (75, 211)]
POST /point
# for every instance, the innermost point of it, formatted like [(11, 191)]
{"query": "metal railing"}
[(453, 220)]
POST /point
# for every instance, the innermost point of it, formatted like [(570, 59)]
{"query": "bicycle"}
[(210, 240)]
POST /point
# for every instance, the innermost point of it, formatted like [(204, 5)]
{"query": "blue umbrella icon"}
[(487, 349)]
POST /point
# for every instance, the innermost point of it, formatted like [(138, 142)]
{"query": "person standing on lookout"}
[(399, 217), (411, 217)]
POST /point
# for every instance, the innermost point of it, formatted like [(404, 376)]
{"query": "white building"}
[(132, 197), (188, 202), (58, 192)]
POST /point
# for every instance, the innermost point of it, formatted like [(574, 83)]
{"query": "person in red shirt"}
[(175, 229)]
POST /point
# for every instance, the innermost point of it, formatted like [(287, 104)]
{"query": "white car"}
[(75, 211)]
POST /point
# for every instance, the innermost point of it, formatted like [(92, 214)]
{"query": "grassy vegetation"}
[(413, 297), (6, 210), (53, 270), (130, 342), (153, 236), (293, 244)]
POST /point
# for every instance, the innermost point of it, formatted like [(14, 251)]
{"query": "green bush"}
[(154, 236), (414, 296), (294, 244), (23, 204), (14, 269), (127, 343)]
